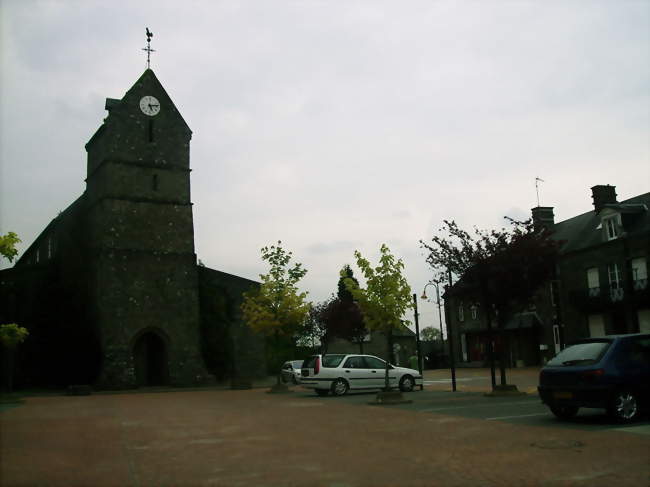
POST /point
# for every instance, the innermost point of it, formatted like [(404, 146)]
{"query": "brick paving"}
[(251, 438)]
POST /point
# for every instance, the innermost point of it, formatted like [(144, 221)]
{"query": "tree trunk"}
[(490, 335), (389, 342), (502, 354)]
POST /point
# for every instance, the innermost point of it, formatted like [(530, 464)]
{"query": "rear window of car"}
[(580, 354), (331, 361), (297, 364), (309, 363)]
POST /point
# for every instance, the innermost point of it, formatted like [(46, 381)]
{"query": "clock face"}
[(149, 105)]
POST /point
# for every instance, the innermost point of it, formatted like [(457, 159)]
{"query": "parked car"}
[(612, 372), (290, 371), (339, 373)]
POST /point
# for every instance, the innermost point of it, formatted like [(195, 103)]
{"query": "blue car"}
[(612, 372)]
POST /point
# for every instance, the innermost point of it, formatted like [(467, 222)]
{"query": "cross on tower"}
[(148, 48)]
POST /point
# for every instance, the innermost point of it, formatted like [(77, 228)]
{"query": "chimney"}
[(543, 217), (603, 195)]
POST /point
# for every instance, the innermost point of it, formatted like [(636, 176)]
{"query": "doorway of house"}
[(150, 360)]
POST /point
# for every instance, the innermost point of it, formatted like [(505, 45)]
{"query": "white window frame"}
[(593, 281), (614, 276)]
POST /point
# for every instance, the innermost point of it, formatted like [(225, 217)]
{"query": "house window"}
[(38, 255), (49, 247), (614, 276), (593, 281), (611, 227), (154, 182), (639, 273), (474, 309), (461, 312), (596, 326), (615, 282)]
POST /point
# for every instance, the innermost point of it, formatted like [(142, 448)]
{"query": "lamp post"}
[(417, 337), (424, 296), (442, 336)]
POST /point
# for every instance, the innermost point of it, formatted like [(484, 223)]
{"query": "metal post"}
[(450, 334), (442, 335), (417, 337)]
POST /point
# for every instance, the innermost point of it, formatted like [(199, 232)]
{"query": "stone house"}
[(600, 286)]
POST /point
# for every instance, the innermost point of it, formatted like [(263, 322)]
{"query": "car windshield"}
[(580, 354), (297, 364), (332, 361)]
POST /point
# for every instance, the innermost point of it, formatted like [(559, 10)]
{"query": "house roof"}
[(584, 230)]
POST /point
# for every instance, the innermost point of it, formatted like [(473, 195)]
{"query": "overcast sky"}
[(336, 125)]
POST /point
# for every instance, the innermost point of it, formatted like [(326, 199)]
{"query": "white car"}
[(291, 371), (339, 373)]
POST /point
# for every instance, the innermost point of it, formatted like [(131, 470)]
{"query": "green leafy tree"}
[(314, 328), (430, 334), (504, 268), (277, 308), (8, 244), (386, 297)]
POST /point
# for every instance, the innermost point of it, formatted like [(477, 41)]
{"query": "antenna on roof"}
[(148, 48), (537, 181)]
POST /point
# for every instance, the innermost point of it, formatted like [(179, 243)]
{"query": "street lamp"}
[(449, 336), (424, 296)]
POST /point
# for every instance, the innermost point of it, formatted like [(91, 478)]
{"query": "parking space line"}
[(517, 416), (479, 406)]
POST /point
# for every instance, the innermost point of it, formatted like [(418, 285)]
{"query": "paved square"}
[(251, 438)]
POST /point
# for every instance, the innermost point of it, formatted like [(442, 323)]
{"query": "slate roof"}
[(584, 231)]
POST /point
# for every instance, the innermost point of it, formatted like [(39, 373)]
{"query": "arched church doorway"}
[(150, 360)]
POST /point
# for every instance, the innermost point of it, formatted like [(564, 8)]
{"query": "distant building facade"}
[(403, 345), (600, 287), (111, 291)]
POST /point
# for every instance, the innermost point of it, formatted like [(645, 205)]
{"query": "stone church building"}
[(110, 290)]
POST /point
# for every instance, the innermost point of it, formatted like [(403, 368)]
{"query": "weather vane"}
[(148, 48), (537, 181)]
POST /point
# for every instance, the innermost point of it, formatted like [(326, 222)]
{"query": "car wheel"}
[(340, 387), (406, 383), (564, 412), (322, 392), (624, 406)]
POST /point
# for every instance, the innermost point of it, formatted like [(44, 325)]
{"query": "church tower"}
[(143, 278)]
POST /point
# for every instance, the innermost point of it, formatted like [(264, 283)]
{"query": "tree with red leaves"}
[(504, 268)]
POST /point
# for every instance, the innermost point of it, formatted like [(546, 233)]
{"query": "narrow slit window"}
[(150, 130), (154, 182)]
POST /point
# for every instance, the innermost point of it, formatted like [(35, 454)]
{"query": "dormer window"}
[(611, 226)]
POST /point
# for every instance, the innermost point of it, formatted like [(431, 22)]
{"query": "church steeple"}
[(141, 230)]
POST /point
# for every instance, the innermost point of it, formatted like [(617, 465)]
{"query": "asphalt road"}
[(524, 410)]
